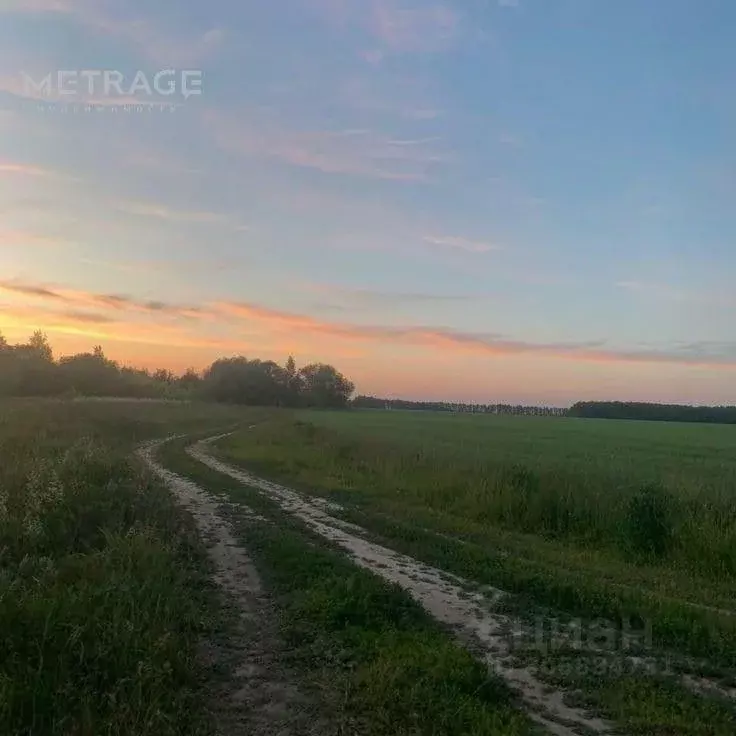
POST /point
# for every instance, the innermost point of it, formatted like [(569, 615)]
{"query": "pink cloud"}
[(400, 26), (446, 339), (351, 152), (471, 246), (79, 309), (195, 217), (40, 6), (104, 17), (418, 29), (18, 239), (9, 167)]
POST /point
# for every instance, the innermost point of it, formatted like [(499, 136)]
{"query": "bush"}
[(649, 528)]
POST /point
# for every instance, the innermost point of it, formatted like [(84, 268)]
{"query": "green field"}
[(103, 595), (106, 592), (594, 517)]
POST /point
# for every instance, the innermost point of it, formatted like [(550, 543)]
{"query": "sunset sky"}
[(482, 200)]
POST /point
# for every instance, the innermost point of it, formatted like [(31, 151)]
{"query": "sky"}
[(471, 200)]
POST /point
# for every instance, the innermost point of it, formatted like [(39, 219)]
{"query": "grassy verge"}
[(103, 586), (607, 683), (388, 667), (582, 580), (641, 705)]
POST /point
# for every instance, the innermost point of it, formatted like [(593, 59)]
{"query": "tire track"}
[(257, 695), (444, 596)]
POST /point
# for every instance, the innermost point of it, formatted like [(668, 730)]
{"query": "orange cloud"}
[(90, 299), (268, 324), (444, 338), (18, 321)]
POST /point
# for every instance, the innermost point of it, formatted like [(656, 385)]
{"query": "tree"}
[(290, 368), (90, 374), (39, 343), (30, 368), (190, 381), (242, 381), (324, 386), (292, 383), (164, 376)]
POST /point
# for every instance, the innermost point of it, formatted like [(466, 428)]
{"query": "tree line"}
[(582, 409), (373, 402), (653, 412), (30, 369)]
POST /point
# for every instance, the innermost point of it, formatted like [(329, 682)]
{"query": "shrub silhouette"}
[(649, 528)]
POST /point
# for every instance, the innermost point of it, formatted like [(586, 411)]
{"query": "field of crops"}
[(596, 517), (107, 592)]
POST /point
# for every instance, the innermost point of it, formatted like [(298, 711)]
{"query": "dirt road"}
[(485, 631)]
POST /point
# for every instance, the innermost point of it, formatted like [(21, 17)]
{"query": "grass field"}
[(592, 517), (103, 595), (383, 667), (106, 593)]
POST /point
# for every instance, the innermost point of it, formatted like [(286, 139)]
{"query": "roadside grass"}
[(644, 499), (104, 592), (384, 665), (419, 504), (642, 705), (607, 681)]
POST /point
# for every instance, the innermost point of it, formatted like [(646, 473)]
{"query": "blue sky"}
[(522, 200)]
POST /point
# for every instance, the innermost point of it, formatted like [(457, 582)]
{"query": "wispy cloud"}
[(355, 152), (19, 168), (78, 306), (385, 94), (443, 338), (7, 167), (24, 88), (51, 318), (104, 17), (666, 292), (421, 28), (39, 6), (398, 26), (26, 239), (194, 217), (84, 299), (146, 336), (359, 298), (458, 243)]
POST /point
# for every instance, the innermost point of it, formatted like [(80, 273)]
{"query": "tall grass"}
[(101, 599), (383, 666), (692, 528)]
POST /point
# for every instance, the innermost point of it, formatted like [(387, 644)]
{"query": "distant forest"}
[(371, 402), (653, 412), (30, 369), (584, 410)]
